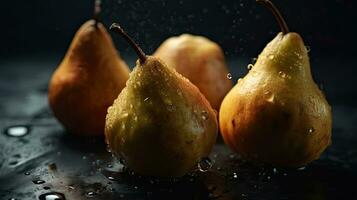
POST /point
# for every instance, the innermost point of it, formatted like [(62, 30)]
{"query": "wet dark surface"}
[(38, 158)]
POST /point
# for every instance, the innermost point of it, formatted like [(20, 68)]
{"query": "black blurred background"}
[(38, 32), (241, 27)]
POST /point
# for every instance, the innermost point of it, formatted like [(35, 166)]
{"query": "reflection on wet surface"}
[(39, 160)]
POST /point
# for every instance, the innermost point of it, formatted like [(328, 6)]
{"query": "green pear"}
[(160, 124), (276, 113)]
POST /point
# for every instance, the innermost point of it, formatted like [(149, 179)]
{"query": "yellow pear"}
[(276, 113), (201, 61), (160, 124), (87, 81)]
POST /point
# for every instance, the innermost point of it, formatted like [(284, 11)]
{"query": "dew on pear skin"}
[(146, 99), (267, 92), (282, 74), (311, 130), (271, 99), (204, 115), (271, 57), (229, 76), (171, 107), (205, 164), (124, 115)]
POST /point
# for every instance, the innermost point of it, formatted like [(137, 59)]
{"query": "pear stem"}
[(117, 28), (267, 3), (97, 11)]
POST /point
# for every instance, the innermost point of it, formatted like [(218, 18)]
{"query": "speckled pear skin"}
[(87, 81), (276, 113), (201, 61), (160, 124)]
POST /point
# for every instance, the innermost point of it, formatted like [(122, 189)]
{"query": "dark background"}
[(241, 27)]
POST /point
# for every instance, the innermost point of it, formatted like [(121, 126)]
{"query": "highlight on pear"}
[(276, 114)]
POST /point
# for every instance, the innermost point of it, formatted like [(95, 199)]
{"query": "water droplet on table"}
[(17, 131), (38, 181), (46, 188), (90, 194), (52, 196), (205, 164)]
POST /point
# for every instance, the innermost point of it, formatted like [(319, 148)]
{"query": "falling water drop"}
[(52, 196), (205, 164), (235, 176), (250, 66), (253, 61), (17, 131), (308, 49)]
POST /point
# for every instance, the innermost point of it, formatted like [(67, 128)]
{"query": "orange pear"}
[(201, 61), (276, 113), (85, 84)]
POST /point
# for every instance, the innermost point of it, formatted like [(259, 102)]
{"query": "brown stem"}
[(116, 27), (97, 11), (277, 14)]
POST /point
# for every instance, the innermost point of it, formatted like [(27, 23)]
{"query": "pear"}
[(276, 114), (87, 81), (160, 124), (201, 61)]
